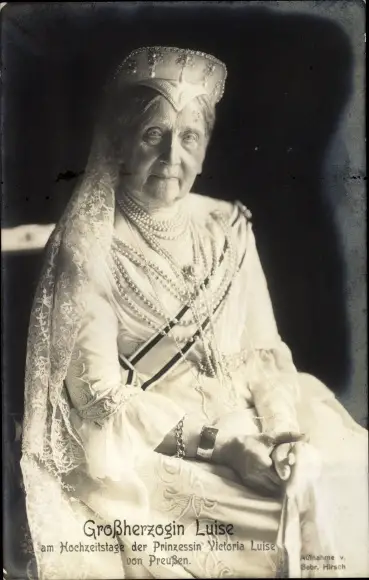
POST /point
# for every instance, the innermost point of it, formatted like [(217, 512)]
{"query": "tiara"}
[(204, 73)]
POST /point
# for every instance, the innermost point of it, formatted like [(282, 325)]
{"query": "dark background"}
[(290, 79)]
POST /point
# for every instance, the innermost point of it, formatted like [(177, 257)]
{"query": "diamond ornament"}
[(191, 71)]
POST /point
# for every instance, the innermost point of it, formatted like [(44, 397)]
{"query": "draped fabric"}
[(50, 446)]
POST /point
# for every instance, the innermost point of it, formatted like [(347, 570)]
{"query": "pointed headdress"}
[(178, 74)]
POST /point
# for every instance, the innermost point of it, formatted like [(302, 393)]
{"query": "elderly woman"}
[(167, 432)]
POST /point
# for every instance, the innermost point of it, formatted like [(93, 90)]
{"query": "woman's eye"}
[(190, 138), (153, 135)]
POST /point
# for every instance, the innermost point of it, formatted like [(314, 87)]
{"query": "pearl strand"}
[(199, 387), (138, 212), (221, 289), (220, 363), (140, 294), (212, 365), (122, 293), (197, 316), (192, 305), (169, 229), (138, 291), (145, 300), (219, 369), (158, 272), (224, 362), (152, 242), (135, 288)]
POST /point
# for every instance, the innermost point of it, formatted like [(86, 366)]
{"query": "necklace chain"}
[(186, 274), (183, 295), (192, 283), (170, 229)]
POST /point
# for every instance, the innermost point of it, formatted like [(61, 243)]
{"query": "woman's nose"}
[(171, 150)]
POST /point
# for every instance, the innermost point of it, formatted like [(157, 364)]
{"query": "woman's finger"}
[(267, 481), (283, 471), (288, 437), (262, 457), (281, 452), (274, 476)]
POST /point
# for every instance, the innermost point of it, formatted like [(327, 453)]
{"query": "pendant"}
[(207, 367), (189, 272)]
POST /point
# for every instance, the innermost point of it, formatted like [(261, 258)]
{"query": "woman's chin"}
[(165, 191)]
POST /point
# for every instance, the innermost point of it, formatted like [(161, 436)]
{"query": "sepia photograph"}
[(184, 290)]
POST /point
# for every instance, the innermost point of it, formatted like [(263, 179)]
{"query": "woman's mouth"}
[(161, 176)]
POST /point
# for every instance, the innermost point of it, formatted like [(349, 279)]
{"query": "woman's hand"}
[(250, 457), (283, 458)]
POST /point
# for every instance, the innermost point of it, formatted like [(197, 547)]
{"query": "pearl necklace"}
[(186, 294), (146, 226), (213, 365), (183, 293), (121, 247), (198, 386), (216, 364), (171, 229)]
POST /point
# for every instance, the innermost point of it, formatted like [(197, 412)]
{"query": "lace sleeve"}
[(273, 382), (92, 400), (116, 420), (271, 374), (97, 385)]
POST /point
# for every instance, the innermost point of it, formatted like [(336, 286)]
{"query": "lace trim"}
[(108, 405), (235, 360), (275, 388)]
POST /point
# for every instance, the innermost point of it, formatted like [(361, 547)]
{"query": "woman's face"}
[(163, 156)]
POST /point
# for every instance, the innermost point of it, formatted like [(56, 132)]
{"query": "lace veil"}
[(75, 258), (75, 255), (50, 447)]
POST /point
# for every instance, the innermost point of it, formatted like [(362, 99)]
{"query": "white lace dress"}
[(121, 423)]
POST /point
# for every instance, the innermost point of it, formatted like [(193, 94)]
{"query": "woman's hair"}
[(127, 109)]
